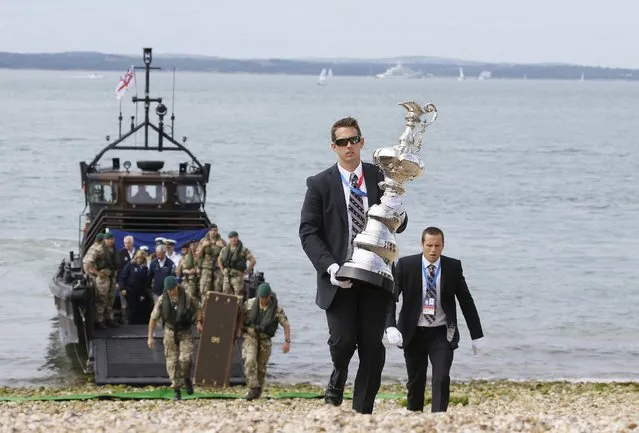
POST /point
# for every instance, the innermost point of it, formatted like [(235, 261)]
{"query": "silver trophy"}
[(375, 247)]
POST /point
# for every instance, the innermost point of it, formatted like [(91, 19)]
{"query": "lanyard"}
[(359, 184), (425, 272)]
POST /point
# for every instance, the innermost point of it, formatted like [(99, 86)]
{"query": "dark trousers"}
[(356, 319), (428, 343)]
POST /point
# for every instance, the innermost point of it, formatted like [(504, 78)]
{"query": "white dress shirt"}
[(175, 258), (440, 317), (347, 193)]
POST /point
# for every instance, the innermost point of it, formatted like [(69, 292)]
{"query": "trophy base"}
[(350, 272)]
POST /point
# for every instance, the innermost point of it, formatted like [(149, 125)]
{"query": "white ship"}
[(399, 71)]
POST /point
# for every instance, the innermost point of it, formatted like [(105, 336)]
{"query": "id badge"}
[(429, 307)]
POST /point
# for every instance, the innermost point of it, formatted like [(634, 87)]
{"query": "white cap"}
[(160, 239), (170, 242)]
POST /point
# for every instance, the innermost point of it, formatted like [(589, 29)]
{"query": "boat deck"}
[(121, 356)]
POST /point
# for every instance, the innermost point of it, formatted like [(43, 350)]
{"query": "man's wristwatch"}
[(288, 340)]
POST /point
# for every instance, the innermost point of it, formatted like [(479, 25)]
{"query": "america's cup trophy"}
[(375, 248)]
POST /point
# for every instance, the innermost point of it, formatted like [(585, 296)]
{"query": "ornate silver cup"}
[(375, 248)]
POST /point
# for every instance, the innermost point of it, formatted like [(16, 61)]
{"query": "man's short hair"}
[(346, 122), (433, 231)]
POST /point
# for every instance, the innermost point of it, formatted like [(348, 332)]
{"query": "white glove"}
[(394, 201), (394, 336), (478, 345), (332, 269)]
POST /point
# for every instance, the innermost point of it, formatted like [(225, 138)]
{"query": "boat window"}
[(190, 193), (102, 192), (146, 194)]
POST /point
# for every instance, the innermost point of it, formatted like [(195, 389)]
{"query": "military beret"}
[(108, 235), (193, 241), (185, 245), (263, 290), (232, 233), (212, 226), (99, 236), (170, 282)]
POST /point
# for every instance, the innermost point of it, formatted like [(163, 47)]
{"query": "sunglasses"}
[(341, 142)]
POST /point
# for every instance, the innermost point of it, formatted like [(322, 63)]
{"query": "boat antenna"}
[(135, 117), (173, 106), (120, 120)]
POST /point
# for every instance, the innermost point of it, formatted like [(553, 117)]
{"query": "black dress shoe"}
[(188, 384), (178, 394), (334, 396)]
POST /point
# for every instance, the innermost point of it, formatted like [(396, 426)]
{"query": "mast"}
[(148, 58)]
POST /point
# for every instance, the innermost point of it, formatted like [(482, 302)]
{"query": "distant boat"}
[(399, 71), (322, 77), (582, 77), (89, 77), (484, 75), (461, 74)]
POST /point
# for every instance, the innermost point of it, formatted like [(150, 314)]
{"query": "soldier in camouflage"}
[(101, 264), (262, 315), (96, 243), (207, 252), (188, 270), (178, 311), (232, 262)]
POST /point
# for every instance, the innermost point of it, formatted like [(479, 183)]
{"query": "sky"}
[(585, 32)]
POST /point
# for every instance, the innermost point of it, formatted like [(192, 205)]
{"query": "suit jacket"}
[(324, 223), (123, 258), (408, 280)]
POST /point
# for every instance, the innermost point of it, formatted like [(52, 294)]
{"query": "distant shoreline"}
[(424, 67)]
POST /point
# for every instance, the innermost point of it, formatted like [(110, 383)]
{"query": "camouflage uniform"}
[(103, 259), (178, 344), (210, 275), (256, 347), (233, 277), (189, 281)]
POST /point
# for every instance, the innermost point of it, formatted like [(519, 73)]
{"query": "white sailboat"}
[(322, 77), (330, 72), (461, 74)]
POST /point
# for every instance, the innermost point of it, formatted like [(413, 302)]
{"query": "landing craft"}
[(171, 205)]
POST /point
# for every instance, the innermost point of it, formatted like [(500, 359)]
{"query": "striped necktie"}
[(431, 291), (356, 209)]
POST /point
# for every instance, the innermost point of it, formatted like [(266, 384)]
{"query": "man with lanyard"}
[(429, 284), (333, 213)]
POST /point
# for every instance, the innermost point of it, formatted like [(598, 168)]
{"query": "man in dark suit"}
[(126, 254), (427, 325), (332, 214)]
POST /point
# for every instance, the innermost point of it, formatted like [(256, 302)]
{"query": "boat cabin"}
[(149, 188)]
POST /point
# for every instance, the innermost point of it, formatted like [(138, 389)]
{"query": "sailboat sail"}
[(322, 77)]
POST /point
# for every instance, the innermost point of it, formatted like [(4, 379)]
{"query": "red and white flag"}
[(125, 82)]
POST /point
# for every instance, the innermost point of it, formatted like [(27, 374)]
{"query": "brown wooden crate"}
[(222, 317)]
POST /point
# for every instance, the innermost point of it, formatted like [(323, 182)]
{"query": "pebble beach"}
[(475, 407)]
